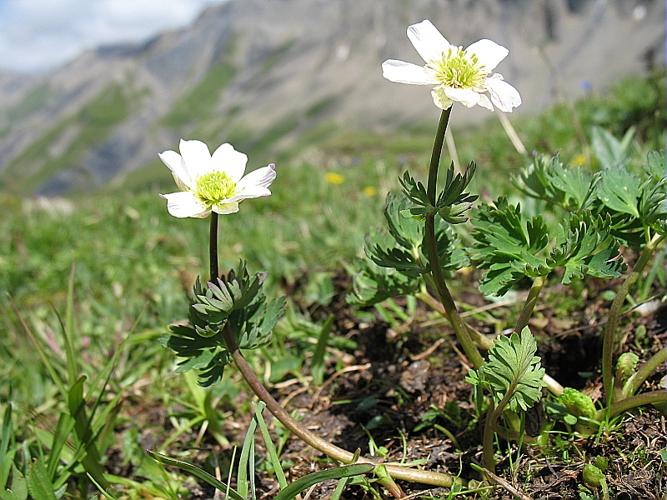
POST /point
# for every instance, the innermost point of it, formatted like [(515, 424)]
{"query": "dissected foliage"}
[(511, 247), (512, 373), (234, 301), (395, 259)]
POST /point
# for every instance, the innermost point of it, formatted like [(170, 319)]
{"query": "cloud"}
[(36, 35)]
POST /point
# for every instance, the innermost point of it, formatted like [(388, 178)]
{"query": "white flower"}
[(457, 74), (212, 183)]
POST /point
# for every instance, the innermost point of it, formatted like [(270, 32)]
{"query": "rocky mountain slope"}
[(263, 74)]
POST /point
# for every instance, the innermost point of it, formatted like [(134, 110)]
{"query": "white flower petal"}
[(489, 53), (226, 208), (260, 178), (250, 192), (440, 99), (403, 72), (196, 156), (175, 163), (230, 161), (484, 102), (503, 95), (467, 97), (428, 41), (185, 204)]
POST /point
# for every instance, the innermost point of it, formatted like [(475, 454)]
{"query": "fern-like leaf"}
[(512, 373)]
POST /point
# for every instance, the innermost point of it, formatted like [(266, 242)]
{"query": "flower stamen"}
[(214, 187), (459, 70)]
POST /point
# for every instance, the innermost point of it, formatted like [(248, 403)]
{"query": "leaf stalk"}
[(644, 372), (529, 305), (610, 328)]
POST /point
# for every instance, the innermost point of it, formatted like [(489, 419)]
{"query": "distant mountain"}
[(261, 73)]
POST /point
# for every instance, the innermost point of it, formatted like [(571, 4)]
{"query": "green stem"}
[(488, 452), (213, 246), (484, 342), (609, 332), (492, 416), (430, 243), (646, 398), (644, 372), (529, 305), (434, 165)]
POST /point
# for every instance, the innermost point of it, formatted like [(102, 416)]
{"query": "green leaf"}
[(508, 246), (549, 180), (317, 363), (19, 489), (68, 331), (6, 458), (512, 372), (395, 258), (246, 461), (399, 247), (454, 201), (196, 472), (609, 151), (39, 483), (84, 432), (587, 248), (415, 192), (373, 284), (270, 447), (63, 429), (305, 482), (619, 190), (234, 301)]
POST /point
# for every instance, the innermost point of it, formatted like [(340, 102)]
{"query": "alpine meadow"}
[(336, 250)]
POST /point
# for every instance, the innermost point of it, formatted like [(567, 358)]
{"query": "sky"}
[(36, 35)]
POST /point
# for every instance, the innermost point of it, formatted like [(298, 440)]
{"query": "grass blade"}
[(251, 471), (309, 480), (317, 365), (197, 472), (248, 442), (5, 437), (63, 428), (342, 483), (77, 409), (40, 350), (270, 447), (68, 330)]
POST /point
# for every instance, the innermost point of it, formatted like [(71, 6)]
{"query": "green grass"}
[(134, 265)]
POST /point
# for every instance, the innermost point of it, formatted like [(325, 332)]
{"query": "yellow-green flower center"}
[(459, 70), (214, 187)]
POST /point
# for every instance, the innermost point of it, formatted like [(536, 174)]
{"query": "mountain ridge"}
[(260, 72)]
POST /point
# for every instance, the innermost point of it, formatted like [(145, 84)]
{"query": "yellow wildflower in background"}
[(370, 191), (579, 160), (334, 178)]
